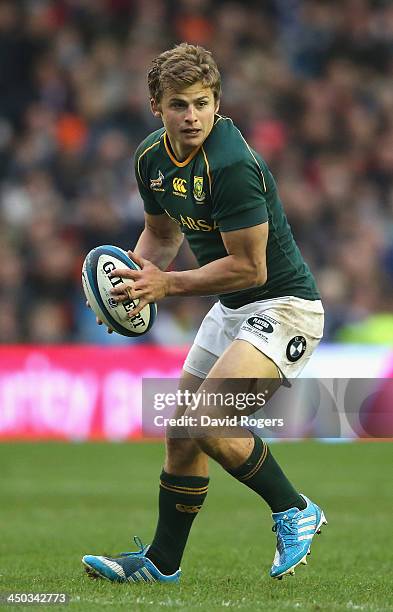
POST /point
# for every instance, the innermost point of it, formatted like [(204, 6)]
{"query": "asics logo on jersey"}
[(179, 187)]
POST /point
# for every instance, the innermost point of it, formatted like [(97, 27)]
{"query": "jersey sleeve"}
[(150, 205), (238, 196)]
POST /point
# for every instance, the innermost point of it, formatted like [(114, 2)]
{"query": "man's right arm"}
[(160, 240)]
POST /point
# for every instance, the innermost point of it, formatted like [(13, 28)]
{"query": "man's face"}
[(188, 117)]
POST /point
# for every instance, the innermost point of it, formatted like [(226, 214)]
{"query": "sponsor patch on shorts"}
[(296, 348), (260, 325)]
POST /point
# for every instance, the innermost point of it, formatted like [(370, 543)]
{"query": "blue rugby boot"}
[(295, 530), (128, 567)]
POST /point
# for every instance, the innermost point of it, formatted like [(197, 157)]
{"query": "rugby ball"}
[(97, 285)]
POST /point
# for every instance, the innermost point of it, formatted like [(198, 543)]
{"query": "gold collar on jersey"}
[(173, 158)]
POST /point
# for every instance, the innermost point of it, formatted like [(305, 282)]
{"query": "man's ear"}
[(217, 106), (155, 108)]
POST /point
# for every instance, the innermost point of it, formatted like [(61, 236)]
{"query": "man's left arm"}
[(244, 266)]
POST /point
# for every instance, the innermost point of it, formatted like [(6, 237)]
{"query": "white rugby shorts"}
[(286, 329)]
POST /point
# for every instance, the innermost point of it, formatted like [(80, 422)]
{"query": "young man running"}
[(199, 178)]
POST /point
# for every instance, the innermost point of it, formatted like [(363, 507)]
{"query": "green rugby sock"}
[(180, 499), (263, 475)]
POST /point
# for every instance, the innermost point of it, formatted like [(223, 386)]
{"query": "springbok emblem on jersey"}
[(156, 184), (198, 192)]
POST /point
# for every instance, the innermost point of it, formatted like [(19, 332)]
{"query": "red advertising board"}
[(78, 392), (95, 393)]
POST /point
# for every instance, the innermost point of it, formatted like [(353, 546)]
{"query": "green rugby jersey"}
[(222, 186)]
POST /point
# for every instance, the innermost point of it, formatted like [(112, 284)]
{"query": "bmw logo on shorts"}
[(296, 348)]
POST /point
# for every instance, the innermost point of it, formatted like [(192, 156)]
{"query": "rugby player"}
[(199, 178)]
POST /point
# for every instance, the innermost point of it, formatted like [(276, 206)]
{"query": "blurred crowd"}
[(309, 83)]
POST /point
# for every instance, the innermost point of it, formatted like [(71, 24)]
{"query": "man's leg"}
[(249, 460), (247, 457), (183, 489)]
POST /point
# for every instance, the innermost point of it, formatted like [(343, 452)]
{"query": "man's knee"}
[(181, 451), (209, 445)]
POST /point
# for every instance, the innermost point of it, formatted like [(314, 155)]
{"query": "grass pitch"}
[(60, 501)]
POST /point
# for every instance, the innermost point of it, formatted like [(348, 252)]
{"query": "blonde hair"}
[(181, 67)]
